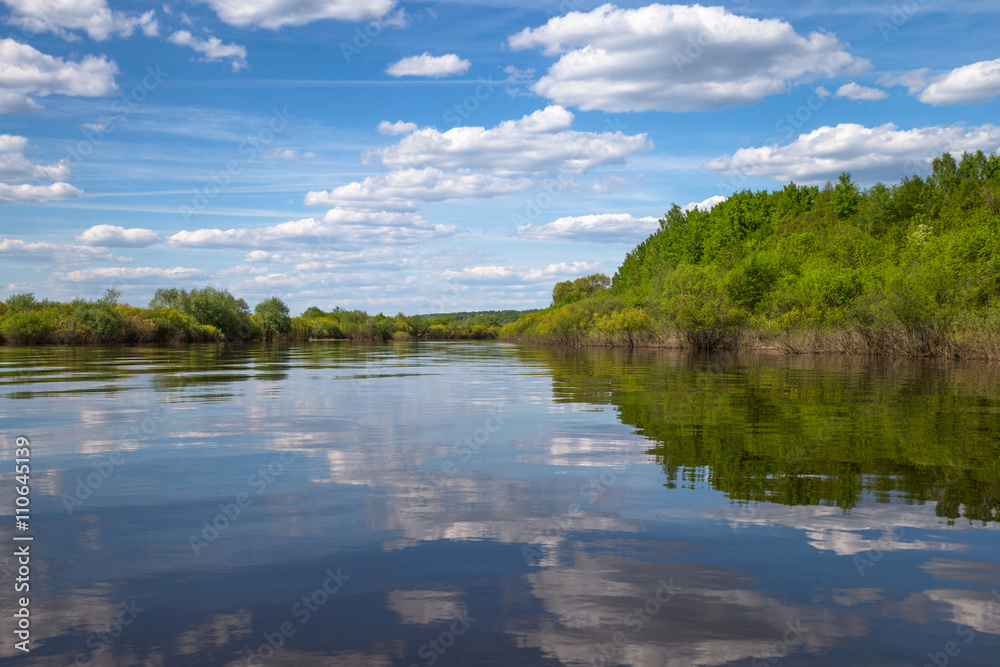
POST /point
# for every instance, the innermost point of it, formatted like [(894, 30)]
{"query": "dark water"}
[(488, 504)]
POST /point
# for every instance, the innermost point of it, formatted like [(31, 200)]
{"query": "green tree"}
[(21, 301), (209, 306), (569, 291), (846, 196), (273, 316), (111, 296)]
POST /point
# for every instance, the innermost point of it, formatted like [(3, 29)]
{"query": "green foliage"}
[(623, 323), (111, 296), (846, 197), (272, 315), (214, 315), (568, 291), (358, 325), (209, 306), (911, 263), (21, 301), (26, 327), (101, 322)]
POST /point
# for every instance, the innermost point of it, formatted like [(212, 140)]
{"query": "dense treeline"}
[(210, 314), (358, 325), (911, 268)]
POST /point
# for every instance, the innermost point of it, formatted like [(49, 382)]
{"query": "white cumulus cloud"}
[(16, 170), (26, 72), (93, 17), (978, 82), (599, 228), (401, 190), (212, 49), (428, 165), (677, 58), (428, 65), (278, 13), (339, 228), (869, 153), (859, 93), (538, 142), (118, 237), (969, 84), (397, 128), (14, 166)]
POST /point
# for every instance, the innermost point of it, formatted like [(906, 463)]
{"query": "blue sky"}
[(438, 156)]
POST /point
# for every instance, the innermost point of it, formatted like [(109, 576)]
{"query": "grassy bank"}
[(907, 269), (214, 315)]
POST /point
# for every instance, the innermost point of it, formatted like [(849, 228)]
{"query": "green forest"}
[(210, 315), (910, 268)]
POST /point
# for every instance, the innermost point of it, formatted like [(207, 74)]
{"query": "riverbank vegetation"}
[(911, 268), (210, 314)]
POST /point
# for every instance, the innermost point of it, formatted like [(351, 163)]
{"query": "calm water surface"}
[(490, 504)]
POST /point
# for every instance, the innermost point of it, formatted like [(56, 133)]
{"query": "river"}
[(419, 504)]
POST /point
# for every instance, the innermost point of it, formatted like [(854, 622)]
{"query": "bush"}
[(623, 323), (927, 324), (100, 322), (28, 327)]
